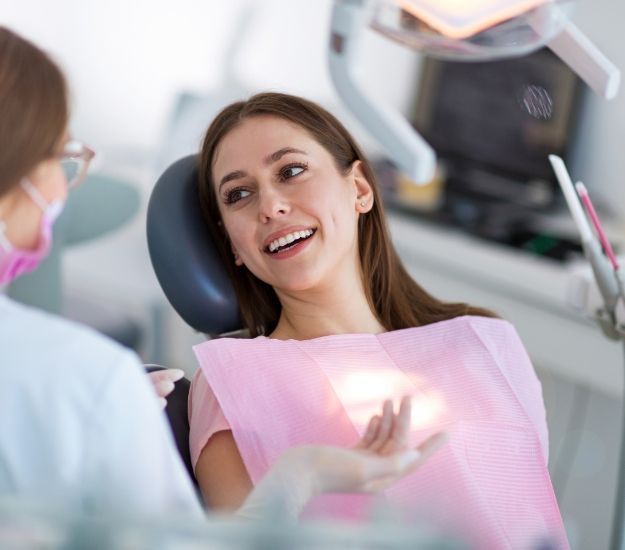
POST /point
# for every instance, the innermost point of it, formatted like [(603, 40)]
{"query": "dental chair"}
[(183, 255), (190, 273)]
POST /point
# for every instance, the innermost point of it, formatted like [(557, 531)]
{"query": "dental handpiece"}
[(604, 275)]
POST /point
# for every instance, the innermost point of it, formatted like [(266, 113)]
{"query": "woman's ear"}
[(237, 258), (364, 191)]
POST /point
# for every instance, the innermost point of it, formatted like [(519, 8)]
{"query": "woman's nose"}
[(272, 204)]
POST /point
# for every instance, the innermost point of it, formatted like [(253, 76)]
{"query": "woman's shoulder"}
[(496, 336), (494, 333), (242, 352), (217, 345), (469, 324), (494, 325)]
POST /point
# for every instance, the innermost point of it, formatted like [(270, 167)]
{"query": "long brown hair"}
[(33, 108), (397, 300)]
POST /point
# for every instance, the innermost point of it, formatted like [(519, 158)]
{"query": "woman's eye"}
[(235, 195), (292, 171)]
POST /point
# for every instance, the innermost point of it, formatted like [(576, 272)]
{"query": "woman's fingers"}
[(386, 427), (394, 428), (401, 426), (370, 433), (390, 433)]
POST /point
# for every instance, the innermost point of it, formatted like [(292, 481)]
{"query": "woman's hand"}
[(379, 459), (376, 462), (339, 470), (389, 432), (163, 383)]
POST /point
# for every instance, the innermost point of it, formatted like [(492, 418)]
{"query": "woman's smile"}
[(290, 244)]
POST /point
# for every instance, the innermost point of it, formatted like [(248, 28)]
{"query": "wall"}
[(599, 159), (128, 60)]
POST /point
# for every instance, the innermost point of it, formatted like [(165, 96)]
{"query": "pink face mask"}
[(17, 261)]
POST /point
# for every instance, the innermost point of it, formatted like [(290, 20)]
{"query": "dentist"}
[(78, 417)]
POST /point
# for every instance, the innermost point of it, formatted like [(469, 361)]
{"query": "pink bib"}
[(469, 376)]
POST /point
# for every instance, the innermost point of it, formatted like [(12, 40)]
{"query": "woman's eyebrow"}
[(269, 159), (237, 174), (275, 157)]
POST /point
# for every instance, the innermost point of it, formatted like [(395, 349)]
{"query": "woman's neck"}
[(334, 308)]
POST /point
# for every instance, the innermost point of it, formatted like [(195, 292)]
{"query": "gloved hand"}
[(163, 382), (376, 462)]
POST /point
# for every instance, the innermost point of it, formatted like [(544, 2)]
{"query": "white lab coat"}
[(79, 421)]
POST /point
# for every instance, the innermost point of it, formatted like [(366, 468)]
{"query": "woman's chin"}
[(297, 283)]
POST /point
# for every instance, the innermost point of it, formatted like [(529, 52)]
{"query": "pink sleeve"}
[(205, 415)]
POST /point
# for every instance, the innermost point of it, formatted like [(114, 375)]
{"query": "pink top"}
[(469, 376), (208, 418)]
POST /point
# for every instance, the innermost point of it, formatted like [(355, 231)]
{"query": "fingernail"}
[(164, 387), (162, 402), (407, 458)]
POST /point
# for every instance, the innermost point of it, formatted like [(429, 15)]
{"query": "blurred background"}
[(146, 79)]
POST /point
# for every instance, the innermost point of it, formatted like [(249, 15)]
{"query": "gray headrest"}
[(183, 255)]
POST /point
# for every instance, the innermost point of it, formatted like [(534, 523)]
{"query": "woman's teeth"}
[(289, 239)]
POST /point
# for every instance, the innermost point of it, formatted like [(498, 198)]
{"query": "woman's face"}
[(21, 214), (290, 214)]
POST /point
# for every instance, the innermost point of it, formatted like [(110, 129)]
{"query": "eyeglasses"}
[(75, 160)]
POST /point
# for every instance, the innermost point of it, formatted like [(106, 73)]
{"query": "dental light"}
[(460, 30)]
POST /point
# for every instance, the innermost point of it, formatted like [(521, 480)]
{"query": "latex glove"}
[(376, 462), (163, 383)]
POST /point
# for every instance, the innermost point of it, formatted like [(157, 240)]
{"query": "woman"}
[(293, 206), (79, 423)]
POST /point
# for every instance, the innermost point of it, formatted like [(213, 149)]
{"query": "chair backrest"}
[(184, 256)]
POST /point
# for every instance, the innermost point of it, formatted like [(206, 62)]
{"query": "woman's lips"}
[(291, 249)]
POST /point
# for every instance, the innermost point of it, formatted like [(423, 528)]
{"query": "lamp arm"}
[(404, 145), (579, 53)]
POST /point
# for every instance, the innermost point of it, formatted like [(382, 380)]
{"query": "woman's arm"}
[(225, 483), (377, 461), (221, 474)]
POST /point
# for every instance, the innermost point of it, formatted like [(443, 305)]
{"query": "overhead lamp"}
[(459, 30)]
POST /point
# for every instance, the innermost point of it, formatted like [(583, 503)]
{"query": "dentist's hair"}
[(33, 108), (395, 298)]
